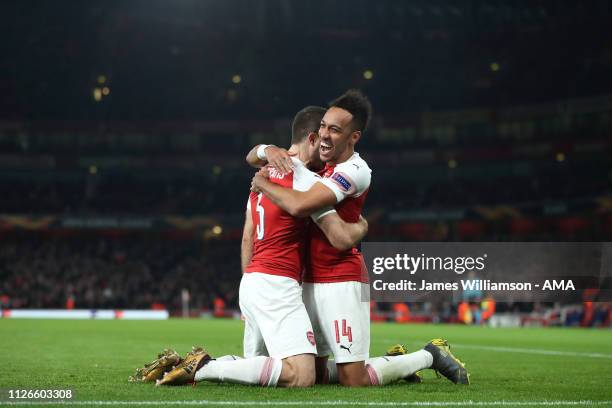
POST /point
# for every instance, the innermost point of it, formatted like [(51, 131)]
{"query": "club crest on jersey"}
[(342, 181), (311, 338)]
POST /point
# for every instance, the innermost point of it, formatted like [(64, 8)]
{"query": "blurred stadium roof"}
[(242, 59)]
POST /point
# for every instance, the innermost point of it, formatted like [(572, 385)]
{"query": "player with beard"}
[(279, 343), (336, 281)]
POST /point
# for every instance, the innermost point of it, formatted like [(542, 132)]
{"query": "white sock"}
[(229, 357), (264, 371), (385, 370)]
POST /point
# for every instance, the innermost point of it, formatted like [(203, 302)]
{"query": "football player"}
[(279, 342), (335, 286)]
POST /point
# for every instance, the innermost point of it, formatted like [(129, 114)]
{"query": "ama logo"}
[(311, 338), (558, 285)]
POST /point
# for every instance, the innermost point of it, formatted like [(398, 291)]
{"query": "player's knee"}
[(305, 378), (298, 375), (353, 375)]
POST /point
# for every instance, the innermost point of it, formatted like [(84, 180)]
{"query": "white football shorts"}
[(340, 319), (276, 321)]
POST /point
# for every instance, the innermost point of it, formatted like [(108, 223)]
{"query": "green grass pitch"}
[(507, 366)]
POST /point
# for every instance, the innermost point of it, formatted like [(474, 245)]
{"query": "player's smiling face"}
[(337, 135)]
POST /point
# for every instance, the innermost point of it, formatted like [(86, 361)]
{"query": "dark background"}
[(124, 126)]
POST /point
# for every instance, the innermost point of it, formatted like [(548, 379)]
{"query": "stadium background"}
[(124, 126)]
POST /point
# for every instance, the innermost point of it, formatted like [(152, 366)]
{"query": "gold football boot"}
[(166, 361), (184, 373)]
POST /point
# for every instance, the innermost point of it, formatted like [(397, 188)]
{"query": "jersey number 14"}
[(346, 331)]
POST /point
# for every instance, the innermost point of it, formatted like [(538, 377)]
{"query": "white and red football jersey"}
[(350, 182), (279, 239)]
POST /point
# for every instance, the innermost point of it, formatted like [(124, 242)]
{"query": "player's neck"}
[(295, 150), (299, 152), (303, 154)]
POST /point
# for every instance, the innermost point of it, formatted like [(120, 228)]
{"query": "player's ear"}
[(312, 138), (355, 136)]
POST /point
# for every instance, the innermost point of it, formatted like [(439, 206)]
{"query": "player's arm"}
[(278, 157), (342, 235), (254, 160), (297, 203), (246, 247)]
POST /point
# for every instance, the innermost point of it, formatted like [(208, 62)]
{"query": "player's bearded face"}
[(335, 133)]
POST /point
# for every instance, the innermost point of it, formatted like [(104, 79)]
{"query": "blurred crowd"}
[(122, 194), (492, 123), (130, 272)]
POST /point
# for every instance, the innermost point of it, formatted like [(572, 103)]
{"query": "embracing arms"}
[(342, 235), (297, 203), (277, 157)]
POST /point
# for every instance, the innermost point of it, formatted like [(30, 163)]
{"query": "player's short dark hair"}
[(358, 105), (305, 122)]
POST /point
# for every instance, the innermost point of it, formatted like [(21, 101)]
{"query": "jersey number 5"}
[(260, 224)]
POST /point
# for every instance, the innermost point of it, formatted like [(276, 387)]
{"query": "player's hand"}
[(279, 158), (257, 180), (254, 187), (264, 172)]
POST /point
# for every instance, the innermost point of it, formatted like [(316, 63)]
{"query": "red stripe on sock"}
[(270, 368), (266, 372), (372, 374)]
